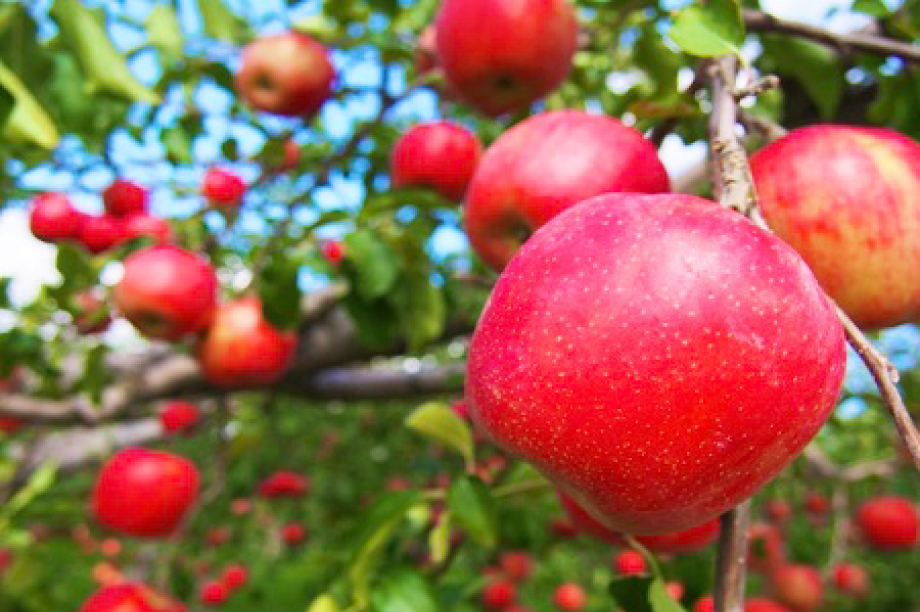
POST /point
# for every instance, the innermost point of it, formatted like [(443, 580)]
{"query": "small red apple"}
[(128, 597), (333, 252), (178, 416), (10, 425), (761, 604), (217, 536), (675, 590), (167, 292), (777, 510), (241, 348), (503, 55), (110, 547), (144, 493), (440, 155), (570, 596), (53, 218), (765, 547), (144, 224), (889, 523), (213, 593), (685, 338), (499, 594), (284, 484), (545, 164), (6, 559), (817, 503), (706, 603), (222, 188), (517, 566), (799, 587), (240, 506), (286, 74), (851, 579), (92, 313), (629, 563), (293, 534), (99, 233), (291, 155), (234, 576), (123, 198), (425, 58), (854, 217)]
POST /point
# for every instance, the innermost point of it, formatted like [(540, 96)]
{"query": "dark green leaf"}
[(404, 591), (178, 145), (375, 320), (421, 308), (279, 292), (373, 263), (471, 504), (817, 68), (6, 105), (632, 593), (75, 266)]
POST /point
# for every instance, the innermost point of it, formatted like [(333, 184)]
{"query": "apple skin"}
[(128, 597), (630, 563), (706, 603), (680, 542), (223, 188), (778, 511), (167, 292), (889, 523), (800, 587), (854, 216), (178, 416), (242, 349), (762, 604), (285, 74), (143, 224), (547, 163), (293, 534), (144, 493), (638, 344), (53, 218), (569, 596), (99, 233), (765, 547), (284, 484), (851, 579), (440, 155), (517, 566), (92, 315), (503, 55), (123, 198), (213, 593), (499, 594)]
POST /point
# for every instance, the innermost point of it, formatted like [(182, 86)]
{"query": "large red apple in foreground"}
[(285, 74), (848, 200), (242, 349), (502, 55), (889, 523), (440, 155), (544, 165), (167, 292), (144, 493), (637, 346)]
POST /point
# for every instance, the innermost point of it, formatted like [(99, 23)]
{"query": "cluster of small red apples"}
[(657, 356)]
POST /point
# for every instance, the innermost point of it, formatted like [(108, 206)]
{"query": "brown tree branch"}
[(730, 561), (757, 21)]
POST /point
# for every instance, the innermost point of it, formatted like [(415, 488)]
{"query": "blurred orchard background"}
[(356, 481)]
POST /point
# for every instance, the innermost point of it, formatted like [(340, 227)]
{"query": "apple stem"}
[(730, 562)]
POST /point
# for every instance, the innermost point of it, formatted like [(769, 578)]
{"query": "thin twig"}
[(730, 562)]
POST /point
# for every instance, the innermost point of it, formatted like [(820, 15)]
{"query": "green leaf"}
[(404, 591), (373, 263), (7, 101), (96, 374), (470, 503), (876, 8), (75, 266), (85, 34), (817, 68), (178, 144), (711, 29), (279, 291), (219, 22), (164, 31), (661, 600), (437, 421), (39, 482), (422, 310), (323, 603), (27, 120), (439, 539), (632, 593), (375, 320)]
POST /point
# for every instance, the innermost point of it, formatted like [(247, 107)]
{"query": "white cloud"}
[(23, 258)]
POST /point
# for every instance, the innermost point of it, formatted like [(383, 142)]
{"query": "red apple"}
[(128, 597), (680, 542), (284, 484), (6, 560), (143, 224), (854, 217), (630, 563), (234, 576), (817, 503), (92, 313), (499, 594), (291, 155), (502, 55), (777, 510), (217, 536), (765, 547), (563, 528), (570, 596), (517, 566), (213, 593), (440, 155), (123, 198), (10, 425), (241, 348), (799, 587), (144, 493), (425, 58), (333, 252), (544, 165), (178, 416), (222, 188), (705, 603), (285, 74), (293, 534), (675, 590), (100, 233), (889, 523), (167, 292), (761, 604), (53, 218), (851, 579), (665, 340), (240, 506)]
